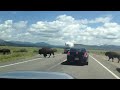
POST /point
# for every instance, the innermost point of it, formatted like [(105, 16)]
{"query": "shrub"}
[(21, 50)]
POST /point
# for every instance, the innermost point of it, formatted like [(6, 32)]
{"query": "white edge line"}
[(22, 62), (56, 65), (105, 68), (19, 63)]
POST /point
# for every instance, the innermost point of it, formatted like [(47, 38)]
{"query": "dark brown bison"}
[(113, 55), (46, 51), (5, 51)]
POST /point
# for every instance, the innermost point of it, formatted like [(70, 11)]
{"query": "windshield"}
[(41, 40)]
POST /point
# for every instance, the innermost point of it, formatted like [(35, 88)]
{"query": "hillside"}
[(42, 44)]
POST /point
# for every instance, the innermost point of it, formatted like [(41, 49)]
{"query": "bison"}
[(113, 55), (46, 51), (5, 51)]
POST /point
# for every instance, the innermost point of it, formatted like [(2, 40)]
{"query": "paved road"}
[(100, 69)]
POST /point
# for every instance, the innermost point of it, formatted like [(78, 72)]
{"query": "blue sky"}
[(33, 16), (85, 27)]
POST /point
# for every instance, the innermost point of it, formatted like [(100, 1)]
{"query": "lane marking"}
[(20, 62), (105, 67), (56, 64), (23, 62)]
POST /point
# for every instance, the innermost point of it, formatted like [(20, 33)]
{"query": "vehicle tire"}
[(67, 62), (86, 63)]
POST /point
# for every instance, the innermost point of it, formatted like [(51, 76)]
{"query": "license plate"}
[(76, 58)]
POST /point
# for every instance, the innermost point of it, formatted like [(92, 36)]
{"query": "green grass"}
[(100, 52), (18, 53), (21, 53), (59, 50)]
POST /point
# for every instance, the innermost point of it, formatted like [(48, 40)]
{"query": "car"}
[(78, 55), (35, 75)]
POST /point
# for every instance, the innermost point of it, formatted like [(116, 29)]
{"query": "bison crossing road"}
[(113, 55), (5, 51), (46, 51)]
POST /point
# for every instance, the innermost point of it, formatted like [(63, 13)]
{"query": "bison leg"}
[(3, 53), (118, 60), (109, 58), (49, 55), (112, 59), (53, 54), (45, 55)]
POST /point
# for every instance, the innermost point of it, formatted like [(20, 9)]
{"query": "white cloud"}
[(103, 19), (65, 18), (20, 24), (64, 29)]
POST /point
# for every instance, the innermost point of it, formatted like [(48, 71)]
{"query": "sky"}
[(59, 27)]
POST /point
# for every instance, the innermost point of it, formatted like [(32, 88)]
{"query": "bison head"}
[(40, 52), (107, 53)]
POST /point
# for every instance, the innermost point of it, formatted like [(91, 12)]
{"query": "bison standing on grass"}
[(113, 55), (5, 51)]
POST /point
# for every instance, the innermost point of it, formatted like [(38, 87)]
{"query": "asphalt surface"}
[(98, 68)]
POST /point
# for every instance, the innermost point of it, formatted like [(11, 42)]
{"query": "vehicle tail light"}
[(85, 54), (76, 52), (68, 53)]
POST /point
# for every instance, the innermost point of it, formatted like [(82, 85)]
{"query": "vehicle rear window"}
[(78, 49), (83, 50), (73, 50)]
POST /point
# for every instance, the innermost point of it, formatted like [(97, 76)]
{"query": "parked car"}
[(78, 55)]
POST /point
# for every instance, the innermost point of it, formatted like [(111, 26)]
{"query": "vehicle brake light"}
[(76, 52), (68, 53), (85, 54)]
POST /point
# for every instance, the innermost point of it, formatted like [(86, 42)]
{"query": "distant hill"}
[(4, 43), (24, 44), (43, 44), (19, 42), (101, 47)]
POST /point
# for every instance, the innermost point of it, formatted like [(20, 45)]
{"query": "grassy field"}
[(59, 50), (21, 53), (18, 53), (100, 52)]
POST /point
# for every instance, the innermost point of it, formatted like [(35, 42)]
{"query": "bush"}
[(21, 50), (55, 50)]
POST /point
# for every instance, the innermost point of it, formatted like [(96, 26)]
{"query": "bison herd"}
[(43, 51)]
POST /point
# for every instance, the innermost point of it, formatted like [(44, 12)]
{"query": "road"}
[(98, 68)]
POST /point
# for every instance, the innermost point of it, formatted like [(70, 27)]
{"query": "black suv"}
[(78, 55)]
